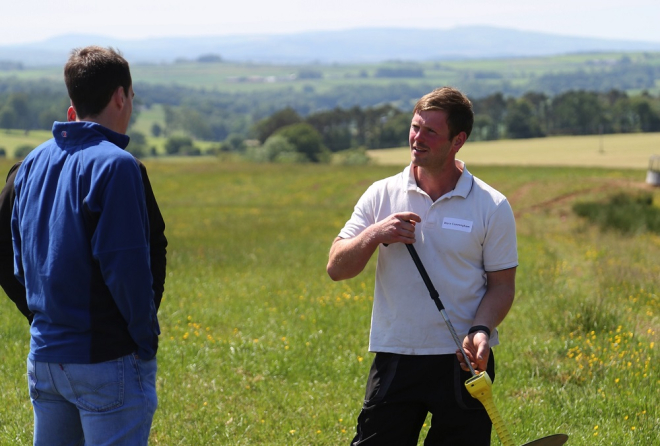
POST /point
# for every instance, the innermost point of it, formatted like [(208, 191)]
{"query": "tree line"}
[(574, 112), (340, 118), (532, 115)]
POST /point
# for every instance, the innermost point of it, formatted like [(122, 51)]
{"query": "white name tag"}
[(457, 224)]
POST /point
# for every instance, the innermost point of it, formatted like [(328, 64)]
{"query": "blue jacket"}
[(81, 246)]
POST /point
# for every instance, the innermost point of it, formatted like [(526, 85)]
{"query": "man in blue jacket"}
[(81, 245)]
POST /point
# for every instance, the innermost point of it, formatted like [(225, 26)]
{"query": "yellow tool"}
[(479, 385)]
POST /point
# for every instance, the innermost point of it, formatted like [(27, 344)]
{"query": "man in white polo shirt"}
[(464, 232)]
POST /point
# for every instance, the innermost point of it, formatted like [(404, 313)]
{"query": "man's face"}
[(430, 146), (127, 109)]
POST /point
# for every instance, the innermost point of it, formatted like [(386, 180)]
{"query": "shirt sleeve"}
[(120, 245), (500, 245), (363, 215)]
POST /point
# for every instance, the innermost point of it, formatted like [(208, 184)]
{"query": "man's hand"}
[(348, 257), (397, 228), (477, 348)]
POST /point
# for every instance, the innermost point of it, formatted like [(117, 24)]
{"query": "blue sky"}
[(24, 21)]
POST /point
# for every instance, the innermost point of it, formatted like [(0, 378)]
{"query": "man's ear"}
[(71, 114), (458, 141), (118, 97)]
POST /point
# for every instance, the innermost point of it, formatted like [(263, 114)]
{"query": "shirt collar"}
[(462, 189)]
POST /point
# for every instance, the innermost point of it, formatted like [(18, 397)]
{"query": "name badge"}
[(457, 224)]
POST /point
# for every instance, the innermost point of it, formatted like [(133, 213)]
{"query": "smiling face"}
[(431, 147)]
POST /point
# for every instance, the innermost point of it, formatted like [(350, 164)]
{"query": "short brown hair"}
[(92, 74), (458, 107)]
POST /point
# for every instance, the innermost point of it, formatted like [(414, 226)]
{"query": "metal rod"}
[(438, 303)]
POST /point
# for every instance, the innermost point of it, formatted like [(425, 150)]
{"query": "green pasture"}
[(12, 139), (155, 115), (260, 347), (613, 151), (147, 117), (269, 77)]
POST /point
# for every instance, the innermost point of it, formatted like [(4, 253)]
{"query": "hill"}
[(345, 46)]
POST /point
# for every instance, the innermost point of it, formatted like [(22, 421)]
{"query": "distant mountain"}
[(347, 46)]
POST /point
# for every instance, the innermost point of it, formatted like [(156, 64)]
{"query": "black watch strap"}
[(477, 328)]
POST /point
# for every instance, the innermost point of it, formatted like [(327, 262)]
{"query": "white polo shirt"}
[(466, 232)]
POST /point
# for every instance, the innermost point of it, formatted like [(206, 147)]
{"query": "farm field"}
[(230, 76), (260, 347), (10, 140), (613, 151)]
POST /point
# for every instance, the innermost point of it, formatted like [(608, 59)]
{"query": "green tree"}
[(494, 107), (275, 147), (335, 128), (195, 124), (50, 115), (172, 119), (156, 130), (178, 145), (577, 113), (305, 139), (521, 121), (483, 128), (137, 145), (7, 118), (233, 143), (276, 121), (22, 151), (395, 130), (648, 118), (19, 103)]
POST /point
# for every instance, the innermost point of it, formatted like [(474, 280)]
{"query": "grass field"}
[(260, 347), (631, 150), (11, 139), (613, 151)]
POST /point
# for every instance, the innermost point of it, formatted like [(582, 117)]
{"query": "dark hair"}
[(458, 107), (92, 74)]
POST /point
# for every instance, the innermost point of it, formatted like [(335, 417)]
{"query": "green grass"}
[(625, 213), (11, 139), (148, 117), (259, 346)]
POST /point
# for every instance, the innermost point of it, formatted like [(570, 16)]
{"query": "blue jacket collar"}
[(82, 131)]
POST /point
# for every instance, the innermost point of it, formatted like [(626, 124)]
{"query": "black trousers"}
[(403, 389)]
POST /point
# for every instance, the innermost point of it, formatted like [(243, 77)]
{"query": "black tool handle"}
[(438, 303), (425, 277)]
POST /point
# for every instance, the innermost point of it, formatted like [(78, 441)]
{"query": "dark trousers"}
[(403, 389)]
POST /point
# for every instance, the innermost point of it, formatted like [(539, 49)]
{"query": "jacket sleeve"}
[(13, 288), (120, 245), (157, 239)]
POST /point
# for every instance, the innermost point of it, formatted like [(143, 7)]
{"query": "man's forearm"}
[(348, 257), (498, 299)]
